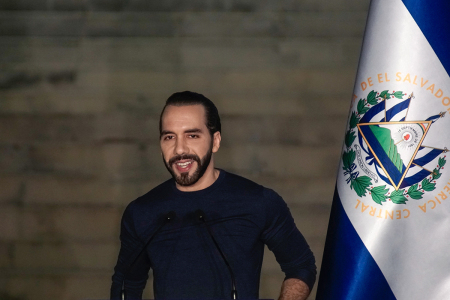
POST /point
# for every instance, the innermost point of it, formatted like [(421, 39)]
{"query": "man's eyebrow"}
[(194, 130), (164, 132)]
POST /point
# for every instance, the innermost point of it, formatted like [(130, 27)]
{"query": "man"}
[(203, 232)]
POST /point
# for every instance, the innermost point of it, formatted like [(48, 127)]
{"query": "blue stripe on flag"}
[(432, 17), (348, 269), (408, 181), (435, 117), (396, 109), (428, 157)]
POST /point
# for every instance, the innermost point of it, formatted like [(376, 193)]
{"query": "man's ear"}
[(216, 141)]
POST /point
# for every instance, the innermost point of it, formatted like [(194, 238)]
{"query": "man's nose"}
[(181, 147)]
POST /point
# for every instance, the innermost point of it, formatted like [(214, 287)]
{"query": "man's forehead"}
[(179, 115)]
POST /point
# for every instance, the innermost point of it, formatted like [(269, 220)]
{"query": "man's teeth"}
[(183, 165)]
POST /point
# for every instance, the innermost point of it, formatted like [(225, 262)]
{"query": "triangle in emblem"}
[(394, 145)]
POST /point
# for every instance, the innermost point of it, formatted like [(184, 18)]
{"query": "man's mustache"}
[(182, 157)]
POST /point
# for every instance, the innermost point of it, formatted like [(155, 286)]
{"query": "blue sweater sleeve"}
[(130, 269), (286, 242)]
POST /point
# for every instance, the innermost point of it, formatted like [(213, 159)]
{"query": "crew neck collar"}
[(204, 191)]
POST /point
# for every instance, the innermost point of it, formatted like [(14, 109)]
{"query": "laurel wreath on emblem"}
[(363, 184)]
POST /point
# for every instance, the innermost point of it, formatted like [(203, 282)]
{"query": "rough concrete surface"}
[(82, 83)]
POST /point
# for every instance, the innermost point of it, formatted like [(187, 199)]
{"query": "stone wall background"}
[(82, 83)]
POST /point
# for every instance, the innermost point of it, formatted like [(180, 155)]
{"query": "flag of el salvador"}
[(389, 228)]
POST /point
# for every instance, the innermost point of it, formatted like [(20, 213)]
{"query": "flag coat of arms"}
[(389, 229)]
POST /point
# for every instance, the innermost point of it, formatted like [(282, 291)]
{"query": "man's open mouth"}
[(184, 165)]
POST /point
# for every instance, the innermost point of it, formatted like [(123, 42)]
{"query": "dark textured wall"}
[(82, 83)]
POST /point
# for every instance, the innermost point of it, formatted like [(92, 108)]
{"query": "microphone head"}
[(200, 214), (170, 215)]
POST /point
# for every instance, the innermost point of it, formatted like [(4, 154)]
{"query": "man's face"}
[(186, 143)]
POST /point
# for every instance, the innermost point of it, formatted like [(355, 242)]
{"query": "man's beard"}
[(185, 179)]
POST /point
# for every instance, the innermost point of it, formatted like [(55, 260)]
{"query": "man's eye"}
[(193, 136), (168, 137)]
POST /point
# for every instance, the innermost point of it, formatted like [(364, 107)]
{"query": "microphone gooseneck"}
[(167, 218), (201, 216)]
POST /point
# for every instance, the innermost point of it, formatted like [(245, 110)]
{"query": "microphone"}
[(167, 218), (201, 216)]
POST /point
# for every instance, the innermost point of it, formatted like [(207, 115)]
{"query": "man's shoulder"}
[(158, 193), (265, 198), (245, 185), (239, 180)]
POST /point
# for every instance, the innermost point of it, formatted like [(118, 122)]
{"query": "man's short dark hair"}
[(191, 98)]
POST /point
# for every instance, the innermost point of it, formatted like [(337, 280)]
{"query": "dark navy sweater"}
[(242, 215)]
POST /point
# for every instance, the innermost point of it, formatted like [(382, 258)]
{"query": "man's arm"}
[(290, 248), (131, 271), (294, 289)]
